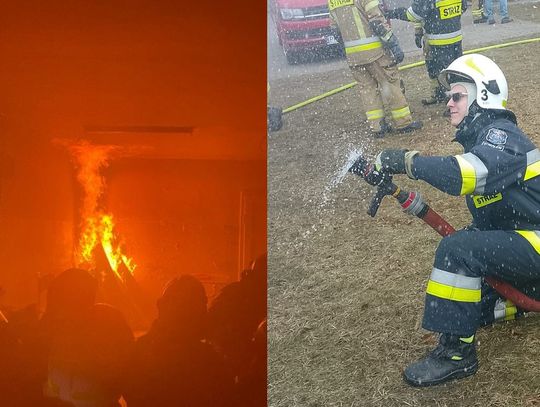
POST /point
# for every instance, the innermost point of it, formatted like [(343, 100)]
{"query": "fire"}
[(97, 226)]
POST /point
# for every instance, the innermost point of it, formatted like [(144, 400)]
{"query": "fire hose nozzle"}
[(381, 179), (369, 173)]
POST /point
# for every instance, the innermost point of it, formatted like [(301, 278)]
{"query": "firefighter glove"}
[(395, 50), (369, 173), (396, 161), (377, 177)]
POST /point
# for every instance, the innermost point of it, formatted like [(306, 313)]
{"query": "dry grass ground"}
[(345, 290)]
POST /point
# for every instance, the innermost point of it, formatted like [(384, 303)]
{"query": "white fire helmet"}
[(491, 85)]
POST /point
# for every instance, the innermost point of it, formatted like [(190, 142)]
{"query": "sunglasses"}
[(456, 96)]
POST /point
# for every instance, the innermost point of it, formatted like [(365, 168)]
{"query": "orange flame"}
[(97, 226)]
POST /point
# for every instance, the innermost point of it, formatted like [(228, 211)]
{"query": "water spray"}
[(340, 174)]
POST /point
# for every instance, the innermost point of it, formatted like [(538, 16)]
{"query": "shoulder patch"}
[(496, 136)]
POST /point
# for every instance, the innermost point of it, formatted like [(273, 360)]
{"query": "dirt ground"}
[(346, 291)]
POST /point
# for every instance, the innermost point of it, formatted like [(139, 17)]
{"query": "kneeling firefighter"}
[(373, 53), (499, 175)]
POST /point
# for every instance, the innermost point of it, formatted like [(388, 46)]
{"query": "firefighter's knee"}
[(386, 90), (450, 251)]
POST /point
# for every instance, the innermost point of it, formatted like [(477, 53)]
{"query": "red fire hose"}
[(412, 203)]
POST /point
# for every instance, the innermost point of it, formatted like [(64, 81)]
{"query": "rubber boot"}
[(416, 125), (451, 359), (385, 128), (481, 20)]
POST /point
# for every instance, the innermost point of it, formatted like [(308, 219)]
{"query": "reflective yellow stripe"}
[(358, 22), (532, 238), (333, 4), (363, 47), (468, 176), (446, 41), (470, 339), (375, 114), (449, 292), (399, 113), (504, 309), (372, 4), (532, 171), (387, 36), (510, 311), (412, 16), (447, 3)]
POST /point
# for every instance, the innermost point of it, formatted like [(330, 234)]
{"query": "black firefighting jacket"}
[(498, 172), (441, 19)]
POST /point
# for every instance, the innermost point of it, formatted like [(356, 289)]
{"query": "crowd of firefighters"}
[(84, 353)]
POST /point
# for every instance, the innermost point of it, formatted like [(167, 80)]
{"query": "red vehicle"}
[(304, 25)]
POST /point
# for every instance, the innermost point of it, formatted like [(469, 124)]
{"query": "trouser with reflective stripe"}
[(380, 90), (456, 300), (477, 9), (438, 57)]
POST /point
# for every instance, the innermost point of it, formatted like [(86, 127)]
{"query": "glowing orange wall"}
[(65, 67)]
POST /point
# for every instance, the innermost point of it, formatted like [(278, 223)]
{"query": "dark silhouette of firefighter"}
[(172, 365), (236, 314), (72, 356), (251, 386), (87, 343), (23, 359), (83, 354)]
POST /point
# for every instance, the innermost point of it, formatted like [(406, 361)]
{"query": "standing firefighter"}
[(499, 173), (372, 53), (478, 12), (440, 21)]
